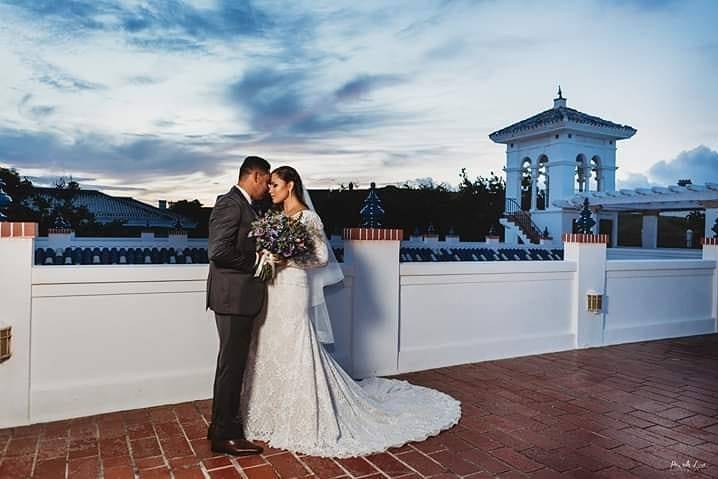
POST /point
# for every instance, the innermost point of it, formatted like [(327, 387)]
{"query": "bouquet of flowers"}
[(278, 236)]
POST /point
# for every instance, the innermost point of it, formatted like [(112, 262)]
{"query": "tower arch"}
[(542, 183)]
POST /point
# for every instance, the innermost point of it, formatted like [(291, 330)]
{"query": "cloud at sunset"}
[(164, 98)]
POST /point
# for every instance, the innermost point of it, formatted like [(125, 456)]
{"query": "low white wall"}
[(453, 313), (655, 253), (92, 339), (652, 299), (15, 306), (118, 337), (107, 338)]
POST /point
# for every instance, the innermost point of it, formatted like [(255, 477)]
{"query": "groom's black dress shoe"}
[(235, 447)]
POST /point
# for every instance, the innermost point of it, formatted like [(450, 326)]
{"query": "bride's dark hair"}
[(287, 173)]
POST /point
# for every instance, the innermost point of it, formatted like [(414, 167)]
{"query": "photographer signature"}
[(688, 466)]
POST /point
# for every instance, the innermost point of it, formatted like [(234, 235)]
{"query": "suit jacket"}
[(232, 288)]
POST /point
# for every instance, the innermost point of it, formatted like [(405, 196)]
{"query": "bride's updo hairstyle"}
[(287, 174)]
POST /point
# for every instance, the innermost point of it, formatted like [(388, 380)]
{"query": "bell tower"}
[(553, 155)]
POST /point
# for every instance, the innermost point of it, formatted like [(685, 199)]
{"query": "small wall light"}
[(5, 336), (594, 302)]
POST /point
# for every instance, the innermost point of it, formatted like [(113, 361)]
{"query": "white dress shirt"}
[(244, 193)]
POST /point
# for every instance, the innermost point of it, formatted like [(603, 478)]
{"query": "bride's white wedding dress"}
[(297, 397)]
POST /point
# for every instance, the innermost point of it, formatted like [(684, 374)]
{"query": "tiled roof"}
[(81, 256), (558, 115), (131, 212), (424, 254)]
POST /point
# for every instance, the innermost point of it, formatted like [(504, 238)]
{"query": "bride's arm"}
[(320, 256)]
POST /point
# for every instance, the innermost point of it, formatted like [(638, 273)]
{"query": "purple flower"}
[(278, 234)]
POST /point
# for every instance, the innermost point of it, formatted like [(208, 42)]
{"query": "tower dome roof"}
[(561, 117)]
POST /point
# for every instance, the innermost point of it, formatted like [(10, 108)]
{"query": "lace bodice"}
[(320, 255)]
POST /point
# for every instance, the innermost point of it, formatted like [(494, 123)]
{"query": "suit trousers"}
[(235, 334)]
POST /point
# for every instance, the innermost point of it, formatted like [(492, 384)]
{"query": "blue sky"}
[(163, 99)]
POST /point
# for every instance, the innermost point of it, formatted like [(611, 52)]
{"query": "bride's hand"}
[(277, 259)]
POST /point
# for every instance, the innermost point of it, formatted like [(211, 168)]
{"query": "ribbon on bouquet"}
[(265, 267)]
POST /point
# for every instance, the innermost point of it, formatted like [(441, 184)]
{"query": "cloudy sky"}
[(163, 99)]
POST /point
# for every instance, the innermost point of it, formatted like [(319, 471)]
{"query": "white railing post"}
[(177, 239), (373, 254), (16, 258), (588, 251), (60, 238), (710, 252)]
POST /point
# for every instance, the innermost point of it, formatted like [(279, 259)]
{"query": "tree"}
[(696, 221), (28, 205), (20, 190), (372, 211), (480, 205), (196, 212), (62, 204), (470, 210), (585, 222)]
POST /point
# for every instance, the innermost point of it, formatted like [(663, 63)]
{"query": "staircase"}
[(528, 231)]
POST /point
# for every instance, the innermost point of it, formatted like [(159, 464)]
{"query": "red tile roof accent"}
[(584, 238), (373, 234), (18, 230)]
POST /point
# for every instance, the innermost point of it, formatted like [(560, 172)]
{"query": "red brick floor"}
[(647, 410)]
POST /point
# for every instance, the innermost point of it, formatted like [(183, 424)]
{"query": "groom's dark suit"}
[(236, 298)]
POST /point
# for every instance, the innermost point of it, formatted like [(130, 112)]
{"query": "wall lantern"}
[(594, 302), (5, 336)]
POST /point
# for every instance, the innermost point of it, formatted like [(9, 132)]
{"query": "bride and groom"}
[(275, 382)]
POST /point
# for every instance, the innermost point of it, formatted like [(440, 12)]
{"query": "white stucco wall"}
[(453, 313), (108, 338), (652, 299), (15, 307)]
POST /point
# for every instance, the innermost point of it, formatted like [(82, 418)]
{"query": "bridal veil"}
[(318, 279)]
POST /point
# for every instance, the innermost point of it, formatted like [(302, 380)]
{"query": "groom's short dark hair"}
[(252, 164)]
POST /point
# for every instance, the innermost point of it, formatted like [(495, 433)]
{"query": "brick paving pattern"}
[(646, 410)]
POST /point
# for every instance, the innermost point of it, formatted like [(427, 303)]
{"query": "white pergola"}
[(650, 202)]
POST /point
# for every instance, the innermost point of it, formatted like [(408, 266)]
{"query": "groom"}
[(237, 298)]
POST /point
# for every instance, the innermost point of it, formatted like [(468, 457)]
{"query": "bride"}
[(297, 397)]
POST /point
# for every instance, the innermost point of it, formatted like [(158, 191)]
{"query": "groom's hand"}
[(278, 260)]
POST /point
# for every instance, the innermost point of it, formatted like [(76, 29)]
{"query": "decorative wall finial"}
[(560, 95), (372, 212), (5, 201), (585, 223), (60, 222)]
